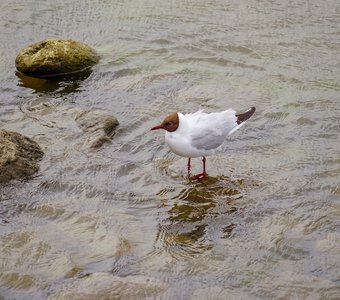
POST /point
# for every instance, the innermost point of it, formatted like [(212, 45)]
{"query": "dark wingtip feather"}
[(245, 116)]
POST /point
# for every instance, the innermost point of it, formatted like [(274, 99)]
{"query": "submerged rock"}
[(55, 57), (98, 125), (18, 156), (105, 286), (217, 293)]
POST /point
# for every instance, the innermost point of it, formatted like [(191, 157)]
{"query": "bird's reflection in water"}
[(199, 215)]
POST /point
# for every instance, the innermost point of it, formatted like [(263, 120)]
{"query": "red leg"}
[(189, 160), (202, 175)]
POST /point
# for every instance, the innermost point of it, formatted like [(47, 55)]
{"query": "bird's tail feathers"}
[(236, 128), (242, 118), (245, 116)]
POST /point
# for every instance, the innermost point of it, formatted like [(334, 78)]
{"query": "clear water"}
[(265, 223)]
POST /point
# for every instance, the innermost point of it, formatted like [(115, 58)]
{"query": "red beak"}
[(157, 127)]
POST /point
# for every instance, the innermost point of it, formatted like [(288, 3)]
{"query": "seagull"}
[(199, 134)]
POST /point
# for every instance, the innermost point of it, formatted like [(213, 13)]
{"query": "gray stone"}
[(55, 57), (98, 125), (18, 156)]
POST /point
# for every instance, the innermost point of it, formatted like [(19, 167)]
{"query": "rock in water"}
[(104, 286), (98, 125), (18, 156), (55, 57)]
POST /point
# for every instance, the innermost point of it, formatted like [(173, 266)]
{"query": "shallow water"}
[(124, 221)]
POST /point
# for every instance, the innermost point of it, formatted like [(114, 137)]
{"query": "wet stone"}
[(98, 125), (19, 156), (55, 57)]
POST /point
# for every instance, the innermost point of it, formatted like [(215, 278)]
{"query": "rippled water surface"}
[(124, 221)]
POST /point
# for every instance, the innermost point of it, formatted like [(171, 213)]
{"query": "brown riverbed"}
[(123, 221)]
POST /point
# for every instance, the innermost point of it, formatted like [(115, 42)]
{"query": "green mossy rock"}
[(18, 156), (55, 57)]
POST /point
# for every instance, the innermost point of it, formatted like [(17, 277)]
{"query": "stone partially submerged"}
[(19, 156), (98, 125), (55, 57)]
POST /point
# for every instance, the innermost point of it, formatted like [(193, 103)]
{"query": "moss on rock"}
[(55, 57), (18, 156)]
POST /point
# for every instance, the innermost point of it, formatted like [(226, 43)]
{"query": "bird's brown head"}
[(170, 123)]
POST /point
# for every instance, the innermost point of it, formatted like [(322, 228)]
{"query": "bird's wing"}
[(207, 139), (210, 130)]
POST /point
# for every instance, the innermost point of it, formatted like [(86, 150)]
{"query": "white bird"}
[(199, 134)]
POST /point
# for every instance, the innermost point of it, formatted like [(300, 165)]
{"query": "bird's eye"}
[(168, 123)]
